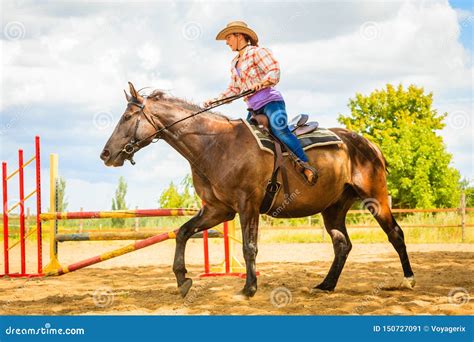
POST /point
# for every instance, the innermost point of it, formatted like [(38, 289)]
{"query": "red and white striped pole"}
[(5, 218)]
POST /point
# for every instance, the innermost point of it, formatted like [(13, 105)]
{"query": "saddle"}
[(298, 126)]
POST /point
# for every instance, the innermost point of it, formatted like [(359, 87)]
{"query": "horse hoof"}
[(240, 296), (321, 288), (246, 293), (408, 283), (185, 287), (315, 290)]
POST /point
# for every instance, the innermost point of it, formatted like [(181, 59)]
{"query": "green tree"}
[(469, 192), (61, 188), (118, 203), (62, 203), (189, 197), (404, 125), (171, 197)]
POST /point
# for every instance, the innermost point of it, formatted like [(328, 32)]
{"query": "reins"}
[(134, 144)]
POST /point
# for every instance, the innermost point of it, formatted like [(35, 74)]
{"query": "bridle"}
[(135, 144)]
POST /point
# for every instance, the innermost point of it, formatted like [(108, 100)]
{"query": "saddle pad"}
[(319, 137)]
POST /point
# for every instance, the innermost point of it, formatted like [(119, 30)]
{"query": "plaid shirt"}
[(257, 65)]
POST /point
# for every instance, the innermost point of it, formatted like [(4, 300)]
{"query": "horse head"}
[(137, 128)]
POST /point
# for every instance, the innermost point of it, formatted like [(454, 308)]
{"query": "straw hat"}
[(238, 27)]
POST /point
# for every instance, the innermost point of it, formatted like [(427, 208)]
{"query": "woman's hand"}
[(257, 87), (208, 103), (261, 85)]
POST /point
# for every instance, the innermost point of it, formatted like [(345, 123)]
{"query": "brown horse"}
[(230, 173)]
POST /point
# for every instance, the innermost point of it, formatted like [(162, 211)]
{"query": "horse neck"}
[(197, 135)]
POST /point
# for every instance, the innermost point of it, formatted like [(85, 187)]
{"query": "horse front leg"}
[(249, 223), (206, 218)]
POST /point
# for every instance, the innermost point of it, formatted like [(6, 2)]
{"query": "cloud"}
[(64, 67)]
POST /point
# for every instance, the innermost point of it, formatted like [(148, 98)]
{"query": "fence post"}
[(5, 218), (81, 224), (53, 224), (463, 216), (390, 201), (136, 221)]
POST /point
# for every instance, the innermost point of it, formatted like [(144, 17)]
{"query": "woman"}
[(255, 68)]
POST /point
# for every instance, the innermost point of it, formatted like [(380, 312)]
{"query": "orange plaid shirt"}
[(258, 65)]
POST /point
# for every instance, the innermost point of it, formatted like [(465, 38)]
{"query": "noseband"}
[(135, 144)]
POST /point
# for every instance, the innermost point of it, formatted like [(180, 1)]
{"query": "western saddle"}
[(299, 125)]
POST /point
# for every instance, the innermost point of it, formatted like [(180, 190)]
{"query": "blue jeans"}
[(276, 114)]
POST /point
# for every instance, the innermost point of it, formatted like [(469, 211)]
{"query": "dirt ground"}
[(143, 283)]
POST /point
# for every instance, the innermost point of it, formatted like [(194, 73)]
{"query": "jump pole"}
[(231, 265), (113, 254), (53, 224), (21, 205)]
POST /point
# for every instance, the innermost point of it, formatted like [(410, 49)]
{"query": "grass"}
[(304, 230)]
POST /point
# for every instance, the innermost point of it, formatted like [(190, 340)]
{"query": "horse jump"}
[(54, 268)]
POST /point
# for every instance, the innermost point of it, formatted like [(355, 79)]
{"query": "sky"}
[(64, 65)]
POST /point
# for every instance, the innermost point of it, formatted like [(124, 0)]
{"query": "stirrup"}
[(301, 166)]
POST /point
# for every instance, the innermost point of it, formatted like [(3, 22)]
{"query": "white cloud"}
[(73, 61)]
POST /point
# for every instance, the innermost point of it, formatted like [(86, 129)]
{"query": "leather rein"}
[(135, 144)]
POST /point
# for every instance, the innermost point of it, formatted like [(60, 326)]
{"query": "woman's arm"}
[(269, 66), (232, 89)]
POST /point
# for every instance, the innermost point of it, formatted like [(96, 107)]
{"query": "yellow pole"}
[(53, 244), (235, 265)]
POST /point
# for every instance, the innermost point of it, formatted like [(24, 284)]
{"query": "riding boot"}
[(309, 173)]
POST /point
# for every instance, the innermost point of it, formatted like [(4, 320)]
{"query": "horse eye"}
[(126, 117)]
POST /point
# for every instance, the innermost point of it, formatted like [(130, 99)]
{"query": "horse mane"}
[(159, 94)]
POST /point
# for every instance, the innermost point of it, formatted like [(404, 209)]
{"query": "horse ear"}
[(128, 97), (133, 92)]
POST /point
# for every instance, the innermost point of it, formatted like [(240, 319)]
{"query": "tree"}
[(171, 197), (61, 188), (404, 125), (468, 191), (118, 203), (62, 204), (189, 197)]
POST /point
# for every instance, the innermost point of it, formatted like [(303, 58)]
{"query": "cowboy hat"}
[(238, 27)]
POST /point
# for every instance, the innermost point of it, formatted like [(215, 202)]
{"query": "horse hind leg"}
[(375, 199), (334, 221)]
